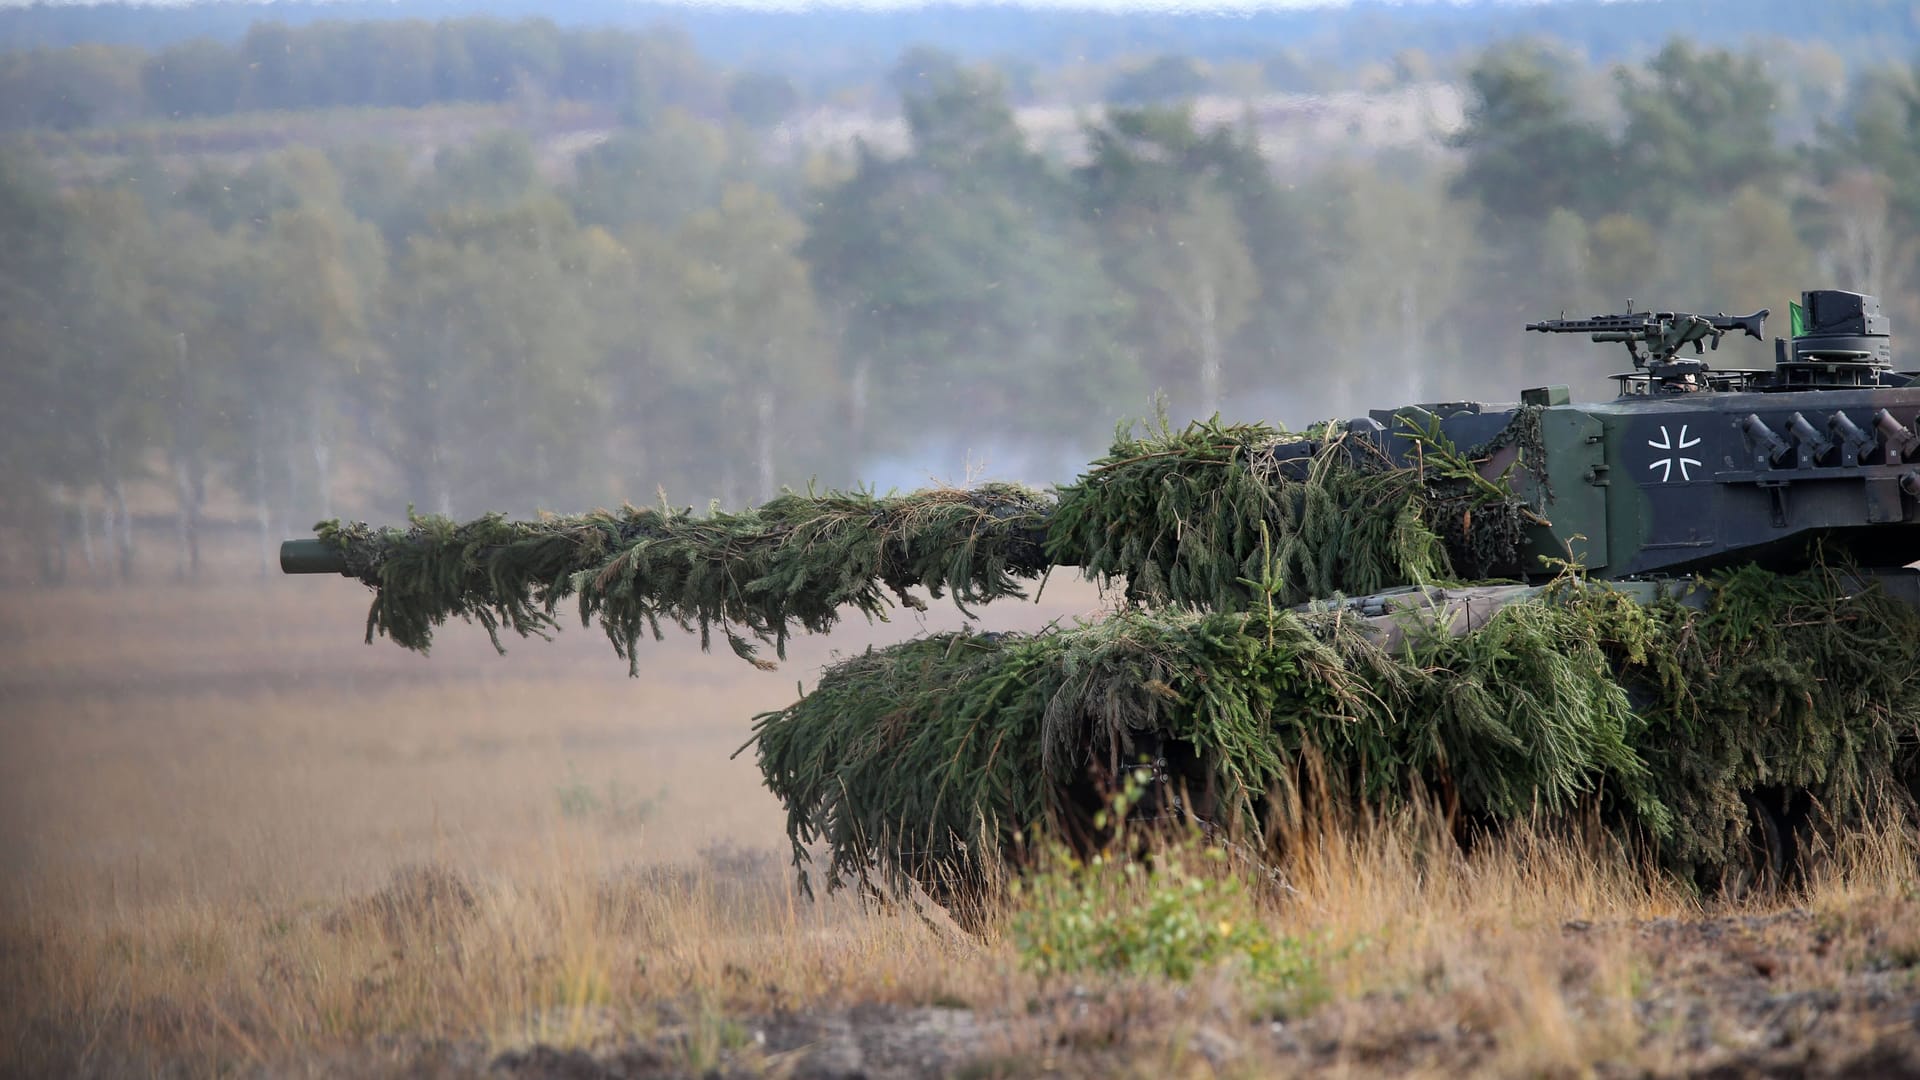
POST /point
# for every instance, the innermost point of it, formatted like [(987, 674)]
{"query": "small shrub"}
[(1182, 914), (577, 797), (619, 807), (626, 808), (711, 1039)]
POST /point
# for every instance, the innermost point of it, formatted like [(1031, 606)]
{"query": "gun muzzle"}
[(311, 557), (1754, 325)]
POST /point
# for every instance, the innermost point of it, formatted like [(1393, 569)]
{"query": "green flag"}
[(1796, 319)]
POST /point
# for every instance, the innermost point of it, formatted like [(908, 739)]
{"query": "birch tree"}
[(969, 286), (492, 381), (1163, 195), (1194, 285), (753, 304)]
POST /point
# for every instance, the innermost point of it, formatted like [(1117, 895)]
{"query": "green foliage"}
[(749, 292), (1211, 517), (965, 279), (1699, 127), (1882, 132), (1192, 516), (491, 311), (1172, 915), (761, 100), (616, 805), (333, 63), (1201, 235), (498, 169), (926, 760), (1167, 77), (1527, 151), (577, 797), (661, 175), (754, 575), (1812, 687), (923, 757), (1164, 919)]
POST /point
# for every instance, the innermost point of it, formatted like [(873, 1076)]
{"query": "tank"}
[(1688, 610)]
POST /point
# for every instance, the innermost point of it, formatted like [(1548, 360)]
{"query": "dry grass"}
[(236, 838)]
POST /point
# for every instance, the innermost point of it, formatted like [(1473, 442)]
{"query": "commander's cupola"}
[(1839, 339)]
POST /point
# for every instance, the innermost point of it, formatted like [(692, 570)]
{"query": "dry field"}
[(236, 840)]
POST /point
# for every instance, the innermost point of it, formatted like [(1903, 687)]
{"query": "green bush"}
[(1173, 916)]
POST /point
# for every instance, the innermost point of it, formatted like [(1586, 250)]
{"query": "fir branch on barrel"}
[(753, 576), (1185, 518)]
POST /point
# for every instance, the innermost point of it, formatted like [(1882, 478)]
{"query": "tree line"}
[(345, 331), (403, 63)]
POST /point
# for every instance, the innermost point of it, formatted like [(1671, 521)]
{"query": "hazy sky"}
[(1084, 5), (790, 5), (1177, 6)]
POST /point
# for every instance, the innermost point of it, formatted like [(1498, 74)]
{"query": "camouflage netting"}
[(927, 760), (1204, 518), (795, 562), (1193, 518)]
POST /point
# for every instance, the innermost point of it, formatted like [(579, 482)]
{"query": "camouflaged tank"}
[(1688, 609)]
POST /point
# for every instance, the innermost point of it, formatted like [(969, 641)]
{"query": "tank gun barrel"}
[(1178, 517), (754, 576), (309, 556)]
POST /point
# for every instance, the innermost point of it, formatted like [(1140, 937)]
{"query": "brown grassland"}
[(236, 840)]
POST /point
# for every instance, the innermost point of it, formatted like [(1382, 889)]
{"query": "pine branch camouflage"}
[(933, 761)]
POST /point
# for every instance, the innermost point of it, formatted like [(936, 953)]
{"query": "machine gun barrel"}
[(1662, 333), (1643, 325), (1599, 324)]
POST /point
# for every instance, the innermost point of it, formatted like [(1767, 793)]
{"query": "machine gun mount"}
[(1654, 340), (1840, 341)]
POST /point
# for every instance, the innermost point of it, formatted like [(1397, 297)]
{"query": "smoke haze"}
[(268, 264)]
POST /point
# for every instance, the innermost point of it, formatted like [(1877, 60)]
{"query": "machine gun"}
[(1655, 337)]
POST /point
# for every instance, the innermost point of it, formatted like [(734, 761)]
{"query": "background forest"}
[(345, 267)]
